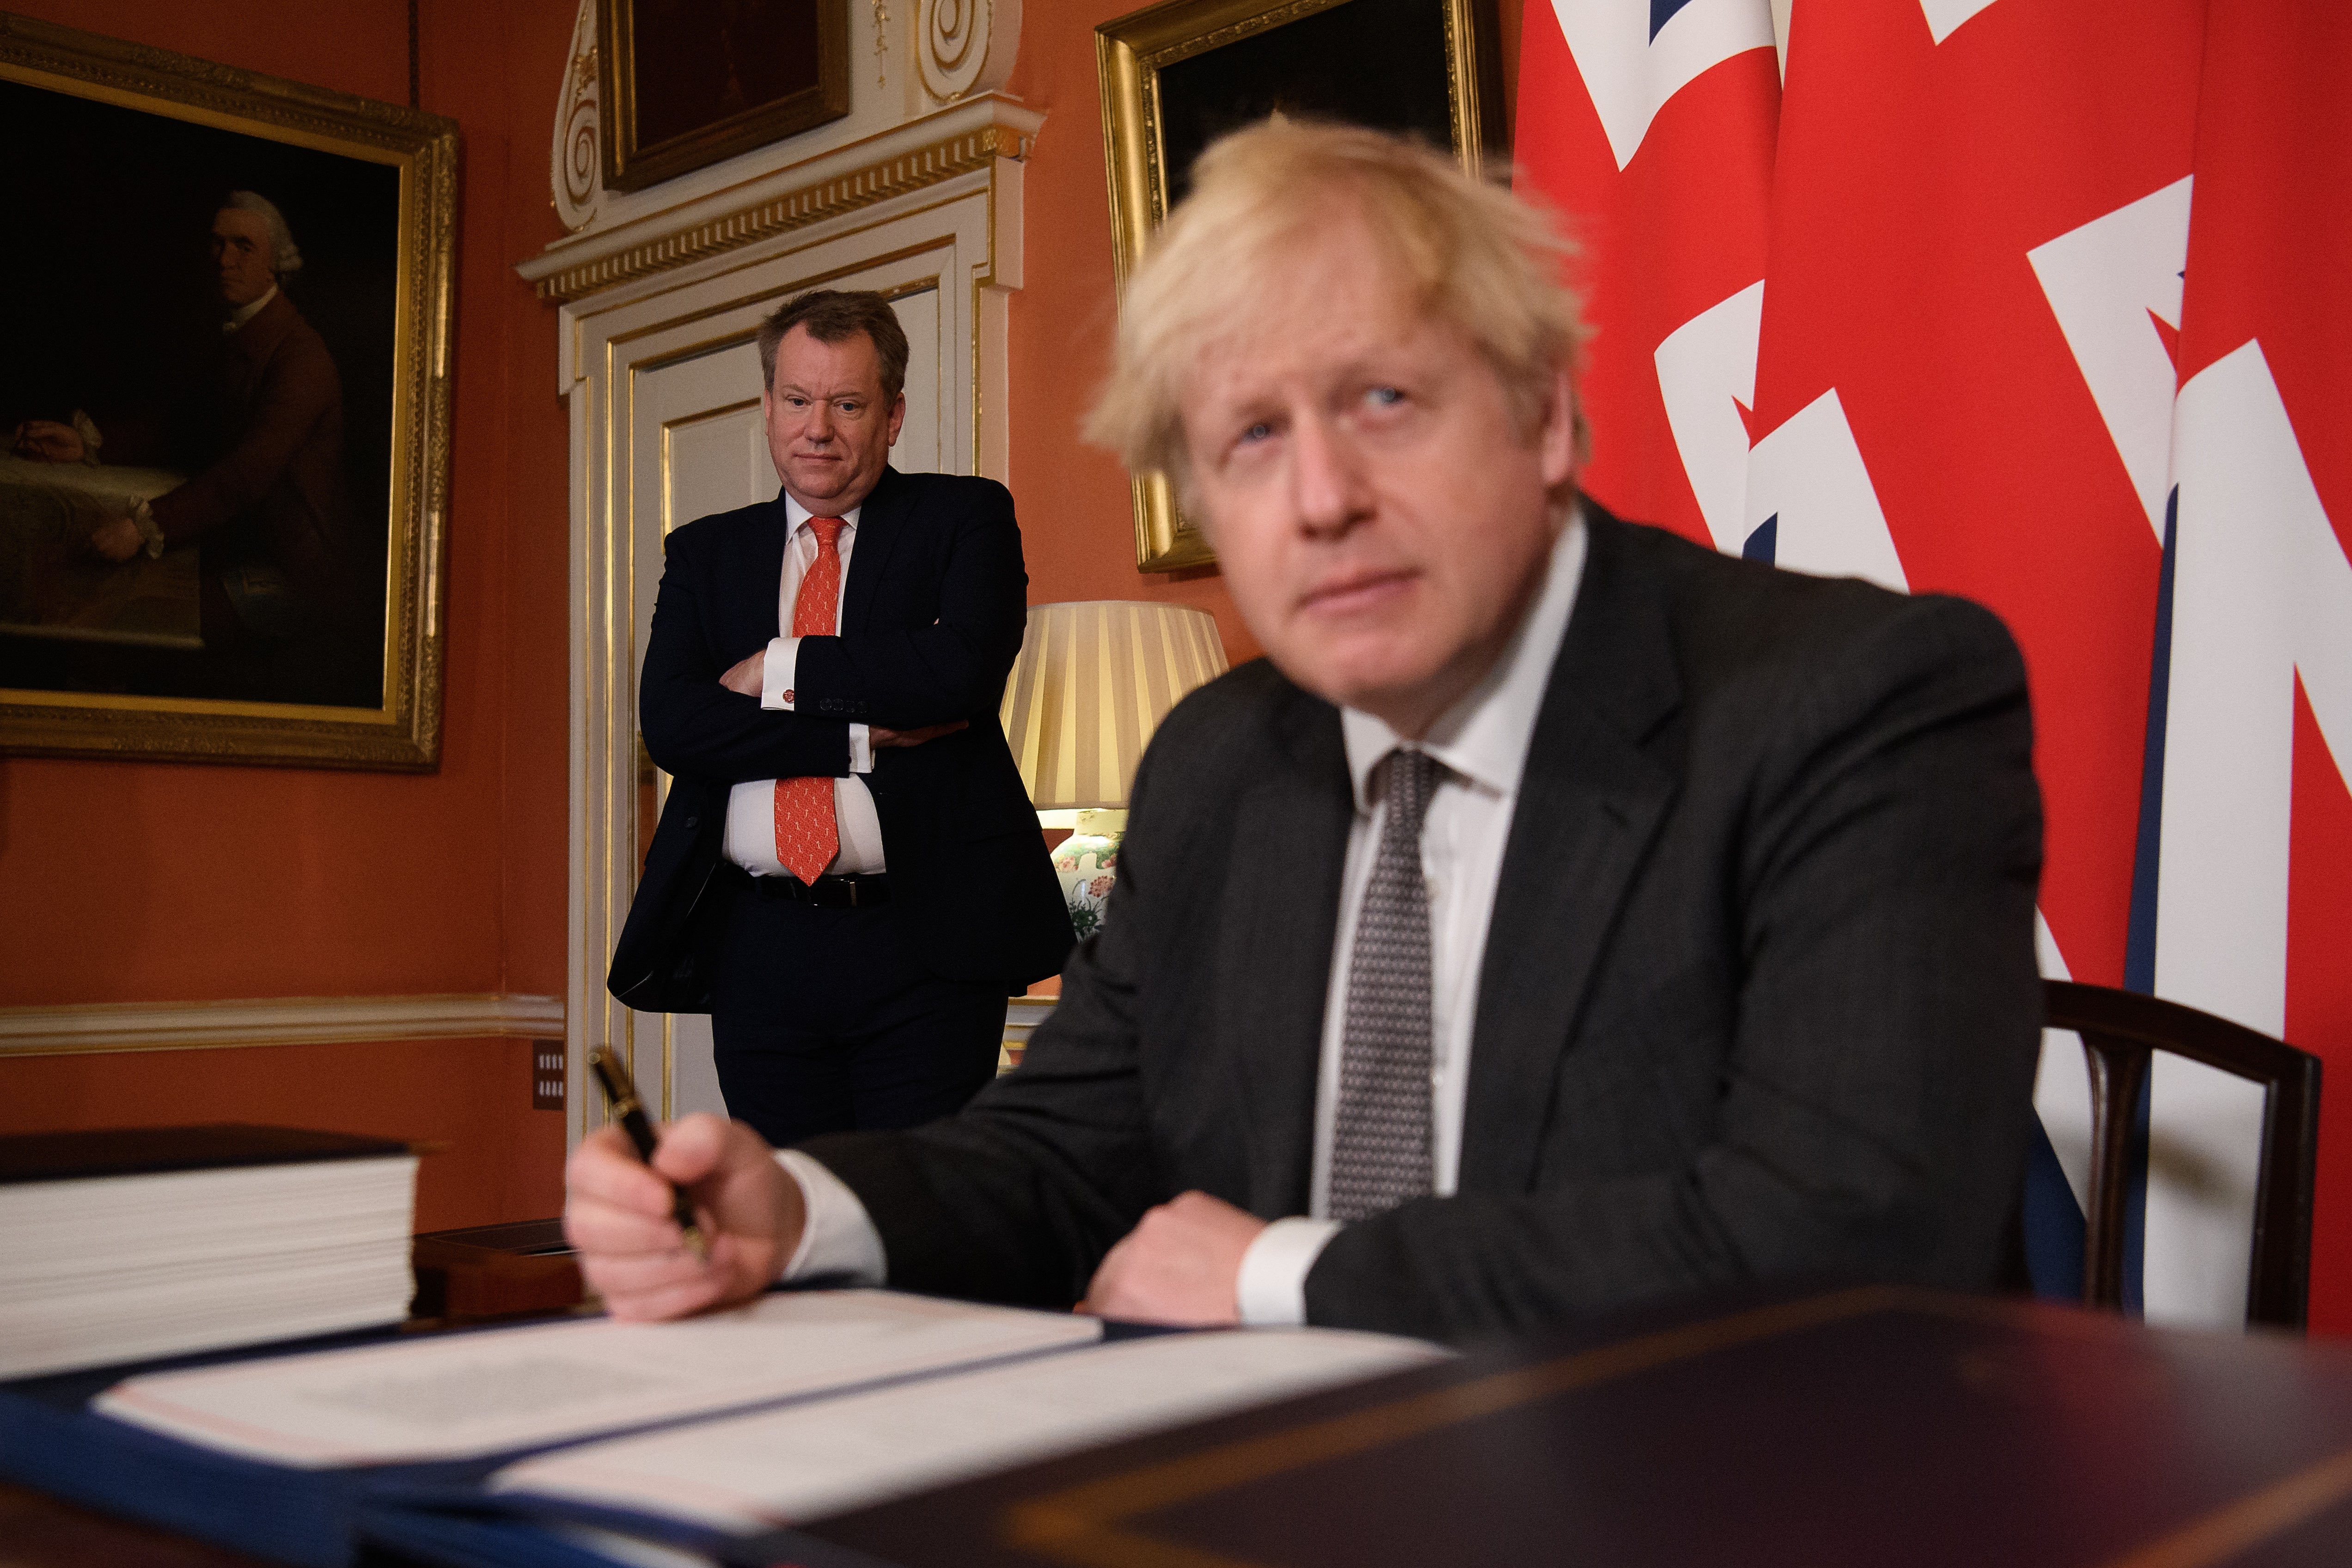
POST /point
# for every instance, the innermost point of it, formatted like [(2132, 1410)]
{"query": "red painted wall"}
[(1077, 522), (488, 1157), (163, 882)]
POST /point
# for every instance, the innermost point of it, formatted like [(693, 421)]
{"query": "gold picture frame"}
[(94, 664), (706, 93), (1175, 75)]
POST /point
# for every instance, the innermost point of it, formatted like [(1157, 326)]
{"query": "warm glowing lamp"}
[(1093, 682)]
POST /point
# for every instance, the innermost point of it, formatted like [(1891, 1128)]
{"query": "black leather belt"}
[(863, 891)]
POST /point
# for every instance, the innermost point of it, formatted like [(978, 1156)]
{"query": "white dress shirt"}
[(1483, 741), (249, 310), (751, 807)]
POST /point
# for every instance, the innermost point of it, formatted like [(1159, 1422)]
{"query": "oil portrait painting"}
[(218, 452)]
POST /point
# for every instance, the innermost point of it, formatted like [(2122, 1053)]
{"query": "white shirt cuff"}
[(776, 674), (837, 1239), (1270, 1291), (861, 748)]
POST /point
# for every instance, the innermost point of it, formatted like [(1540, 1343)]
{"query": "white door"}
[(698, 446)]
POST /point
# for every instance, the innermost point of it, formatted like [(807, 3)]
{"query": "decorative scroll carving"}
[(968, 46), (576, 169)]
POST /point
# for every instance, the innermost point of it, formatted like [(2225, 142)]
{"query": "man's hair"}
[(831, 315), (285, 260), (1470, 252)]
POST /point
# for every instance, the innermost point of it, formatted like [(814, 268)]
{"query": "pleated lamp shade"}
[(1093, 682)]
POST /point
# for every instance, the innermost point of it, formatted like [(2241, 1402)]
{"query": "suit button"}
[(693, 821)]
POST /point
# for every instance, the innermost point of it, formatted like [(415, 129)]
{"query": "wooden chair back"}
[(2119, 1030)]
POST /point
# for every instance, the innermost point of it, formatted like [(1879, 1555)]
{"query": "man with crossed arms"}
[(847, 875), (1562, 917)]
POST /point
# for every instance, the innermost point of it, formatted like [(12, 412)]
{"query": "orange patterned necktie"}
[(807, 837)]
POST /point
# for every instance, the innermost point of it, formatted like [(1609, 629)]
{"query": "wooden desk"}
[(1862, 1427), (1871, 1427), (38, 1531)]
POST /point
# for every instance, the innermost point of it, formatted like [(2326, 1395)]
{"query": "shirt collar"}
[(249, 310), (797, 516), (1484, 738)]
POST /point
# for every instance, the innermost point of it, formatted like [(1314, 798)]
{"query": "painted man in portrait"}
[(267, 502)]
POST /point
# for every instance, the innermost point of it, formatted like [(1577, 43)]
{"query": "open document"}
[(505, 1391), (783, 1467)]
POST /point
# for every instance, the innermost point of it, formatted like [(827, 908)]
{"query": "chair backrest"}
[(2119, 1028)]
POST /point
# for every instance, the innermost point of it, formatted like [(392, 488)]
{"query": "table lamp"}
[(1094, 680)]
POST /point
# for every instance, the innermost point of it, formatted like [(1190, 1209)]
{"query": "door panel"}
[(919, 449)]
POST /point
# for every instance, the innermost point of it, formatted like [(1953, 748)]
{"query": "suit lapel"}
[(1591, 800), (1288, 845), (881, 520), (753, 587)]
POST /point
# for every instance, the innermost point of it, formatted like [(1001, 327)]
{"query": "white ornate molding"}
[(576, 166), (960, 50), (967, 46), (275, 1020), (966, 138)]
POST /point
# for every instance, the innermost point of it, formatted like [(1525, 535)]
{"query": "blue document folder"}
[(55, 1438), (51, 1441)]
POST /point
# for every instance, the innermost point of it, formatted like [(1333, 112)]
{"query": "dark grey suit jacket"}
[(1759, 1000)]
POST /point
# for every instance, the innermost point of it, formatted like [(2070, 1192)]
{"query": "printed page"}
[(787, 1466), (461, 1395)]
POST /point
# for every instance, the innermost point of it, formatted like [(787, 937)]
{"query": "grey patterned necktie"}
[(1380, 1154)]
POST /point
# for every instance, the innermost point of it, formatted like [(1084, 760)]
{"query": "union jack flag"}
[(2025, 300)]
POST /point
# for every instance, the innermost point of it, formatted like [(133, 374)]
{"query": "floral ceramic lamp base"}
[(1087, 862)]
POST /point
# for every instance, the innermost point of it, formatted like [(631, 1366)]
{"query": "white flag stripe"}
[(2103, 281), (2261, 590), (2204, 1148), (1630, 76), (1810, 474), (1945, 15), (1706, 374)]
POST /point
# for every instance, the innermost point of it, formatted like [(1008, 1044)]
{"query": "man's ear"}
[(898, 417), (1556, 439)]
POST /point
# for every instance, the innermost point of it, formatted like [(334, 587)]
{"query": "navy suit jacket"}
[(1759, 1000), (932, 619)]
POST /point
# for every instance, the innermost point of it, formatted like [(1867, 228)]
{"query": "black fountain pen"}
[(621, 1102)]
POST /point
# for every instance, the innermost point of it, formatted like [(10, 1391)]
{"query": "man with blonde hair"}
[(1562, 916)]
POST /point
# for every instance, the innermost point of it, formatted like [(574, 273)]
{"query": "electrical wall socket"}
[(546, 1075)]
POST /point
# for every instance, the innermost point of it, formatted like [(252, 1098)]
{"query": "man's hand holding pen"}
[(620, 1216)]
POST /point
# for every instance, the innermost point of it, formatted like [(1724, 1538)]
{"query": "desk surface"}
[(1868, 1427), (1872, 1427), (38, 1531)]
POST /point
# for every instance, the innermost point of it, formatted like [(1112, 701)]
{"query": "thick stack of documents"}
[(129, 1245)]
